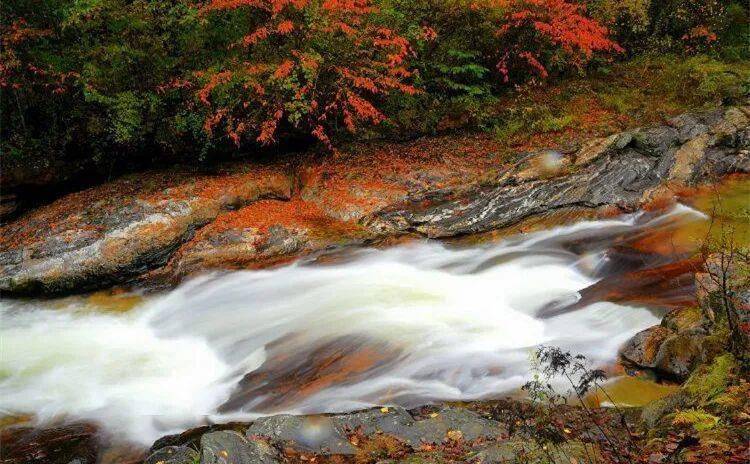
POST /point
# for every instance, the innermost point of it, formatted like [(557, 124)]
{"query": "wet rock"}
[(228, 447), (317, 434), (643, 347), (673, 348), (64, 444), (173, 455), (111, 233), (622, 171)]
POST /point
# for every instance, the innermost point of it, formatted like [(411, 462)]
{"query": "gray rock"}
[(642, 348), (329, 434), (114, 232), (228, 447), (399, 423), (312, 433), (618, 171), (173, 455), (678, 355)]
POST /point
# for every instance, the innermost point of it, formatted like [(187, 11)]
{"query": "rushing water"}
[(406, 325)]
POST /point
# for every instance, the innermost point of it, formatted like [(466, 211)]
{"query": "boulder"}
[(643, 347), (112, 233), (229, 447), (173, 455), (673, 348)]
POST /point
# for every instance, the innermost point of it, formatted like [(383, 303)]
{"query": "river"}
[(406, 325)]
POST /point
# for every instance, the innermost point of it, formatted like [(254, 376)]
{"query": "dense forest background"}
[(91, 86)]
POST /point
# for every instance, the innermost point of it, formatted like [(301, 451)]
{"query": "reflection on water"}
[(629, 391)]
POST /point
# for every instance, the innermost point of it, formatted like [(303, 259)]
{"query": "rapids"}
[(407, 325)]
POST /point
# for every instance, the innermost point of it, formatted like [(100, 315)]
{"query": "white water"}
[(463, 321)]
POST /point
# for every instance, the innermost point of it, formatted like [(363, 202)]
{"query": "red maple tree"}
[(545, 34), (312, 64)]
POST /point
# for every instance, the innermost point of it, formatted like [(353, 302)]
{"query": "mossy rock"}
[(653, 413), (528, 452), (681, 320), (699, 419), (678, 355), (708, 382)]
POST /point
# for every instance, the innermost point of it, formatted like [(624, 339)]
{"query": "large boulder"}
[(112, 233), (625, 171), (674, 347)]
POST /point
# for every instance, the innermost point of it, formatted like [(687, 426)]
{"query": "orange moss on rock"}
[(264, 214)]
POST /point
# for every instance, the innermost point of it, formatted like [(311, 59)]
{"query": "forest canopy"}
[(89, 81)]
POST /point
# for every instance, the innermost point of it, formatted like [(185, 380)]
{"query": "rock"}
[(111, 233), (528, 451), (622, 171), (434, 429), (160, 227), (656, 141), (64, 444), (673, 348), (228, 447), (689, 319), (329, 434), (643, 347), (653, 412), (173, 455), (678, 355), (590, 151), (317, 434), (393, 421)]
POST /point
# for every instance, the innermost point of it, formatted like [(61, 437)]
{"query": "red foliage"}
[(310, 64), (17, 71), (546, 33)]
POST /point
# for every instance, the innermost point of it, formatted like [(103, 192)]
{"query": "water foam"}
[(464, 320)]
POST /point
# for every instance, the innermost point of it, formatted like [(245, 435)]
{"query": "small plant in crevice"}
[(602, 440)]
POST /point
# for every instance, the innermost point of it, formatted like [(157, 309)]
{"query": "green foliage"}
[(91, 83), (524, 121), (710, 381), (700, 420)]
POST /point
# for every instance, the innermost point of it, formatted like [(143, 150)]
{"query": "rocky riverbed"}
[(156, 229)]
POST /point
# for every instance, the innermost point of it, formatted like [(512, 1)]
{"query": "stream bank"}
[(157, 228), (157, 233)]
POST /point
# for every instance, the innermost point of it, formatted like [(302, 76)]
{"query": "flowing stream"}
[(407, 325)]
